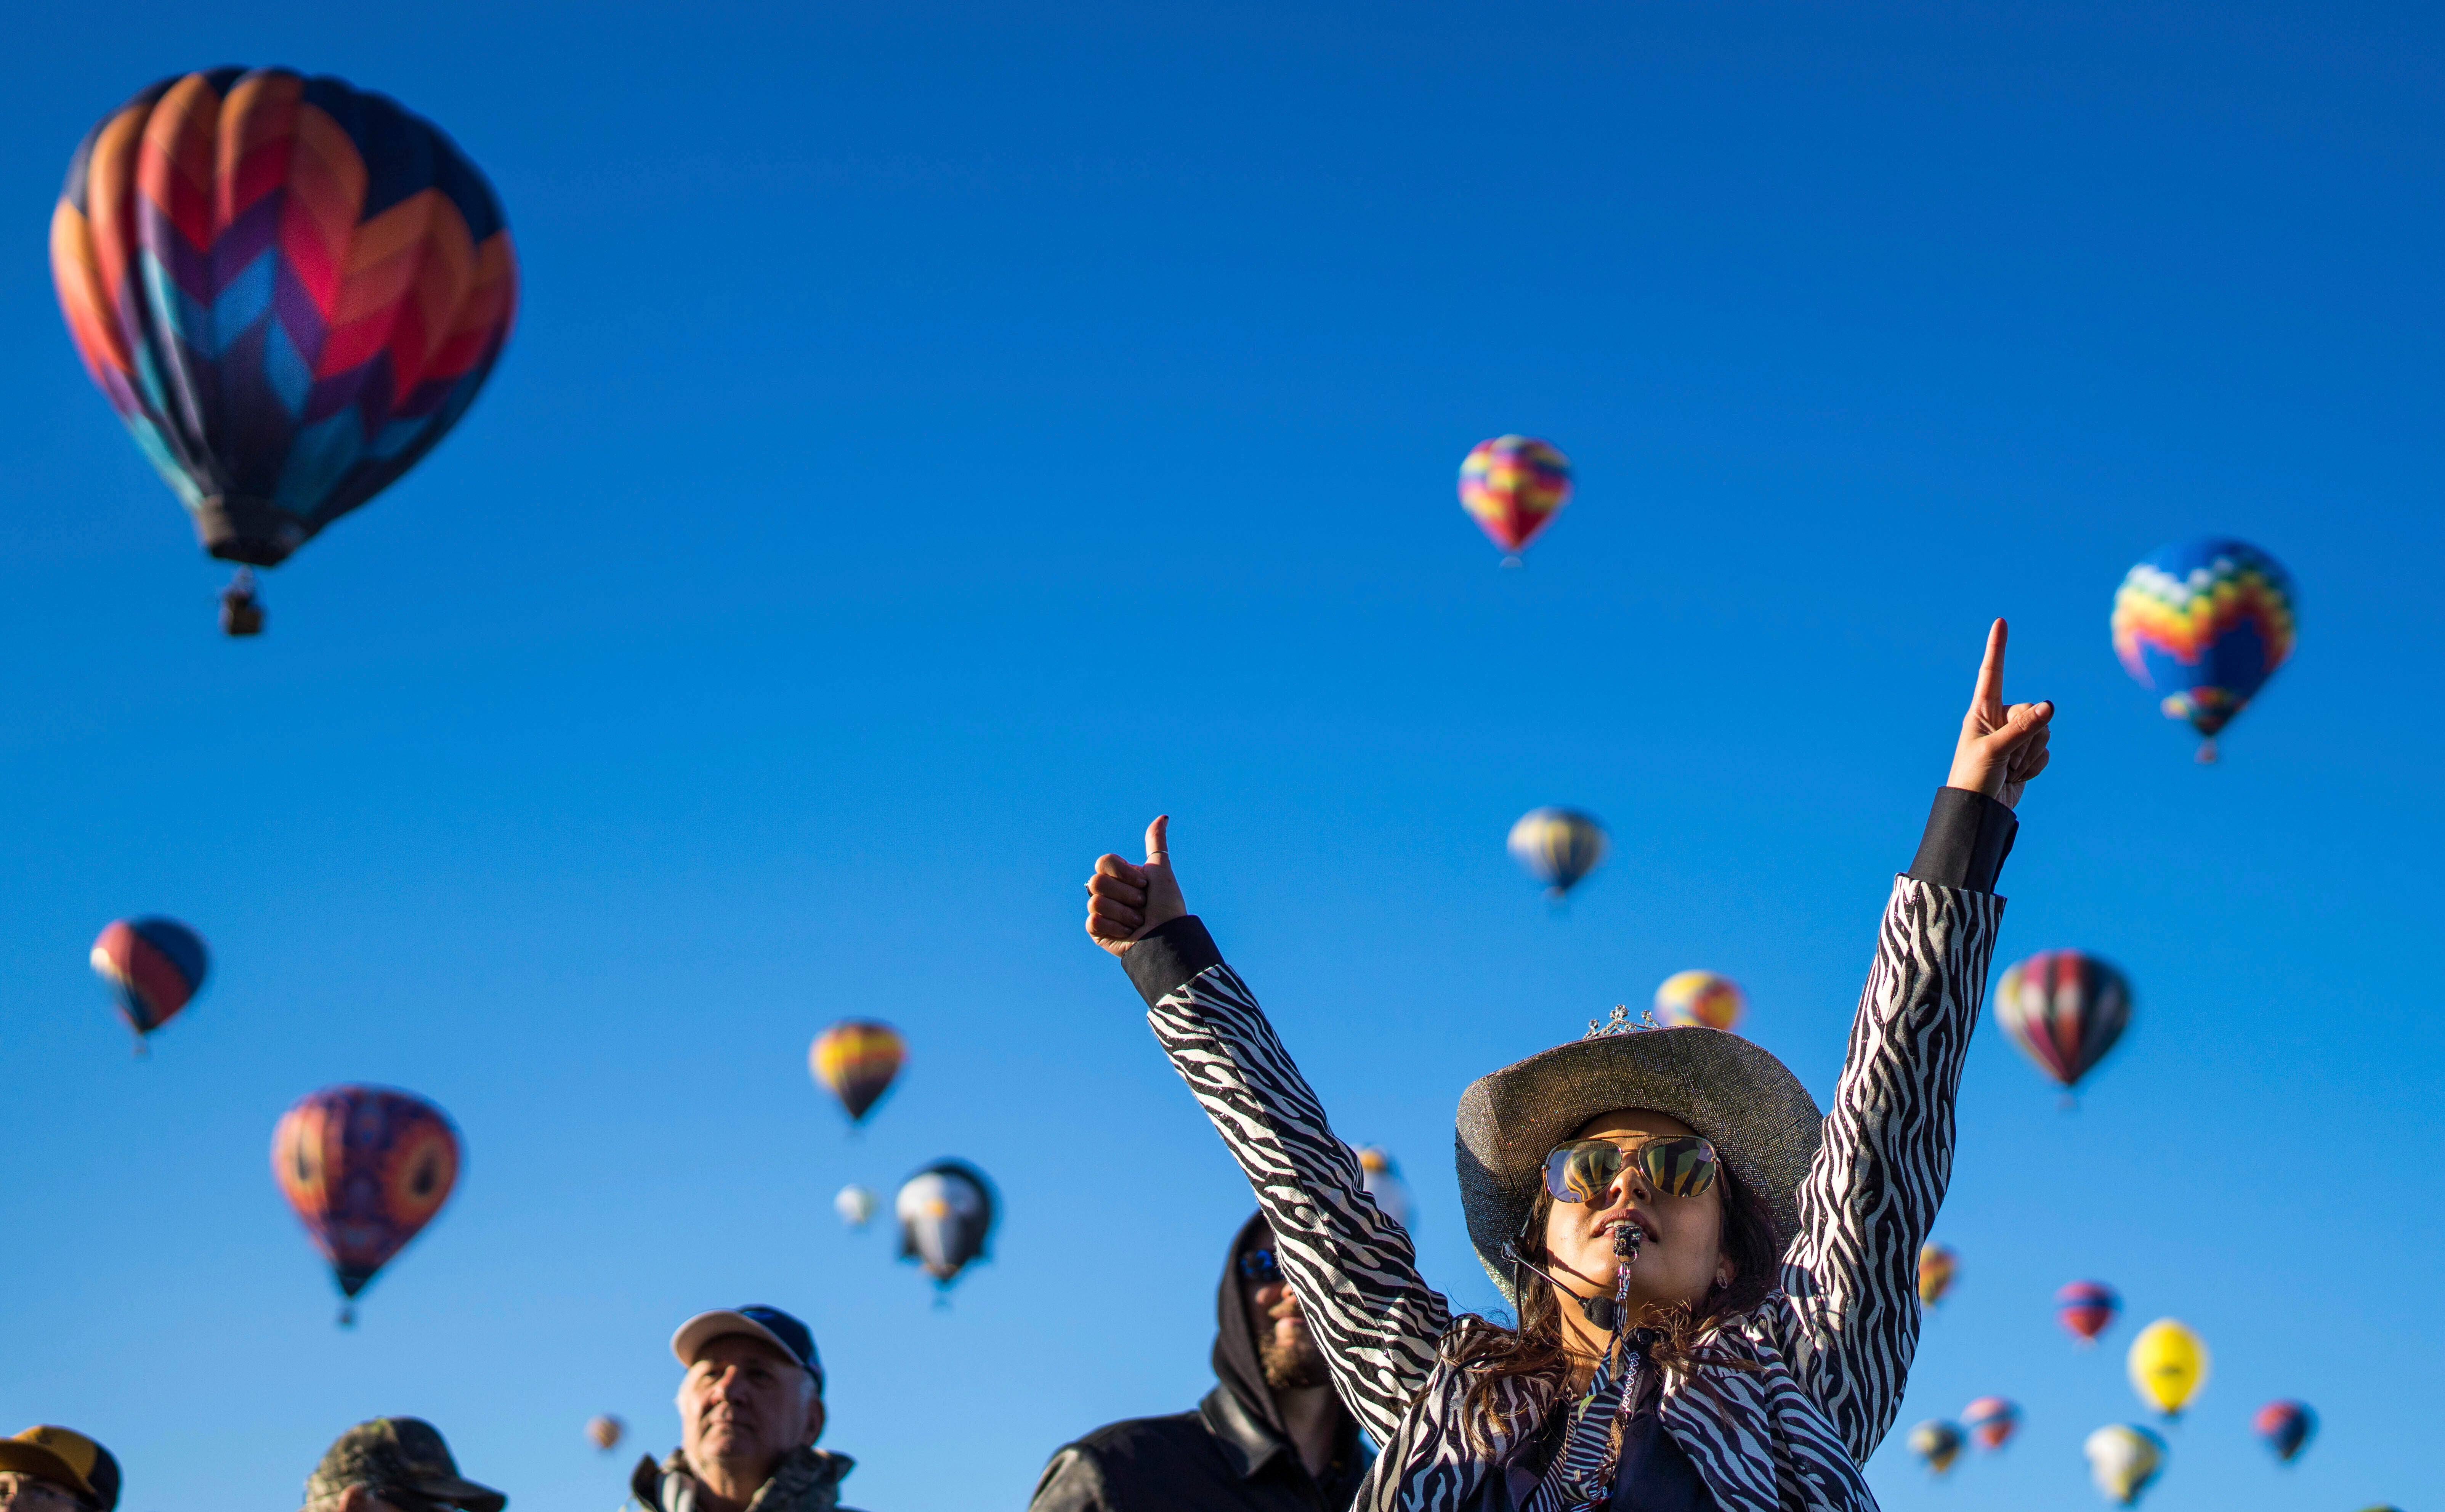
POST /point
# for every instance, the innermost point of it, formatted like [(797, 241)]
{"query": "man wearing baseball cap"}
[(751, 1408), (56, 1469), (394, 1464)]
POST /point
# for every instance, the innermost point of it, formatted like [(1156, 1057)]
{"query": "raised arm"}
[(1871, 1195), (1376, 1320)]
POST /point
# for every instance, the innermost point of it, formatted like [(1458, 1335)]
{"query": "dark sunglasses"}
[(1258, 1265), (1584, 1169)]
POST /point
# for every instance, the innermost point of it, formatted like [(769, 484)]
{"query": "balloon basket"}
[(241, 610), (1514, 560), (2207, 757), (2067, 1103), (347, 1317)]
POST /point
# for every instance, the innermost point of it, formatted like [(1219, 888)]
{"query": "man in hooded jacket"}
[(1270, 1437)]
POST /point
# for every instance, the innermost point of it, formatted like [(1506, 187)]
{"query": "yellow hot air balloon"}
[(2169, 1364)]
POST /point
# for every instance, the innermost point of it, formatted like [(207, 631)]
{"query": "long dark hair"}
[(1532, 1353)]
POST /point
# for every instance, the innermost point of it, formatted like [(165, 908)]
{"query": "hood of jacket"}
[(806, 1479), (1237, 1363)]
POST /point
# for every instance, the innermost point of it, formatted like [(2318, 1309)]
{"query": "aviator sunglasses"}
[(1584, 1169)]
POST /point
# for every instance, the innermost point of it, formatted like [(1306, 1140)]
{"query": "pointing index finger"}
[(1990, 671)]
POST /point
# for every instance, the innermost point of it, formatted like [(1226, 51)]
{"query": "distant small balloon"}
[(1937, 1444), (2124, 1460), (855, 1205), (2087, 1308), (1935, 1267), (2167, 1365), (2064, 1009), (1992, 1421), (365, 1168), (1557, 847), (1513, 486), (856, 1061), (1383, 1182), (154, 968), (946, 1214), (1699, 999), (2284, 1428), (606, 1430)]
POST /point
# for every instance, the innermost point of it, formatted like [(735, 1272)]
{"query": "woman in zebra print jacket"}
[(1714, 1286)]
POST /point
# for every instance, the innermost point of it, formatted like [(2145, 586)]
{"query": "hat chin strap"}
[(1607, 1313)]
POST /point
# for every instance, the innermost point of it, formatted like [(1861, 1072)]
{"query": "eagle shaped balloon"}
[(946, 1214)]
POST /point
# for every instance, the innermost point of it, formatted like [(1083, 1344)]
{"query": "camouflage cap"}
[(399, 1454)]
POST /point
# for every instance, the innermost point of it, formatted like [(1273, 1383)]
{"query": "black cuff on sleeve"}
[(1968, 836), (1170, 957)]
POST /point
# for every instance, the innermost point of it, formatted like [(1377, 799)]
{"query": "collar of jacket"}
[(806, 1479), (1251, 1444)]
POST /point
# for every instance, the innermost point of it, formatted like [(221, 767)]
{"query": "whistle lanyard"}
[(1580, 1477)]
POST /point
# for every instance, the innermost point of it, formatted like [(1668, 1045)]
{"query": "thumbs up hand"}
[(1125, 902)]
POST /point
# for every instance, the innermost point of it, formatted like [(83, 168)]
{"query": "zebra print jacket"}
[(1812, 1377)]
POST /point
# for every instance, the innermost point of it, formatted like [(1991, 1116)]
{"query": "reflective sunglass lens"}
[(1259, 1265), (1581, 1173), (1678, 1168)]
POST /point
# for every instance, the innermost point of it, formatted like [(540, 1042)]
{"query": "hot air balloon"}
[(1382, 1180), (2205, 624), (2087, 1308), (2123, 1460), (365, 1167), (2065, 1010), (1700, 999), (946, 1213), (1937, 1444), (155, 967), (856, 1059), (855, 1205), (288, 289), (606, 1430), (2167, 1365), (1557, 847), (1992, 1421), (1513, 485), (2285, 1427), (1935, 1267)]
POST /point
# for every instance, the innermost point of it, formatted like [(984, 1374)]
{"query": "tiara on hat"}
[(1619, 1023)]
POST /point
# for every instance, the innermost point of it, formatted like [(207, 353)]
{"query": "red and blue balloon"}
[(153, 967)]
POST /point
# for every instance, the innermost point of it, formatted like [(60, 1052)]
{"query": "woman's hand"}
[(1127, 903), (2001, 748)]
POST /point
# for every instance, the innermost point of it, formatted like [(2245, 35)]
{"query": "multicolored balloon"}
[(367, 1168), (1513, 485), (1935, 1267), (153, 967), (2286, 1427), (1382, 1180), (1557, 847), (2204, 622), (856, 1061), (287, 288), (855, 1205), (2065, 1010), (2087, 1308), (1936, 1444), (946, 1213), (2167, 1365), (2124, 1460), (606, 1430), (1699, 999), (1992, 1421)]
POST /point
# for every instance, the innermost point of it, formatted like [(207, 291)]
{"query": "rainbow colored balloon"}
[(1699, 999), (2065, 1010), (856, 1061), (2087, 1308), (365, 1167), (2203, 624), (288, 289), (1513, 485), (154, 966)]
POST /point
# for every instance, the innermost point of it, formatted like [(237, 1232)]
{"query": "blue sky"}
[(937, 439)]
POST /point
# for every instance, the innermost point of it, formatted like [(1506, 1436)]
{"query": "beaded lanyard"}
[(1580, 1477)]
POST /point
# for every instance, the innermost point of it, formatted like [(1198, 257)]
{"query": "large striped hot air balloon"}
[(153, 967), (365, 1167), (855, 1060), (1557, 847), (1513, 486), (287, 288), (2203, 624), (2065, 1010)]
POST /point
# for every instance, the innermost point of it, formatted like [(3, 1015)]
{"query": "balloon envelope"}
[(856, 1061), (946, 1213), (2203, 624), (2284, 1428), (1992, 1421), (606, 1430), (289, 290), (1700, 999), (1513, 486), (2167, 1365), (1937, 1444), (2065, 1010), (2123, 1459), (2087, 1308), (367, 1168), (154, 968), (1935, 1267), (1557, 847), (1382, 1180), (855, 1205)]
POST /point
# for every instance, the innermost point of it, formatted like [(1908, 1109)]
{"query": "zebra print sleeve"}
[(1376, 1319), (1873, 1192)]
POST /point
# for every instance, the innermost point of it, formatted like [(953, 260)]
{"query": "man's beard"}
[(1293, 1366)]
